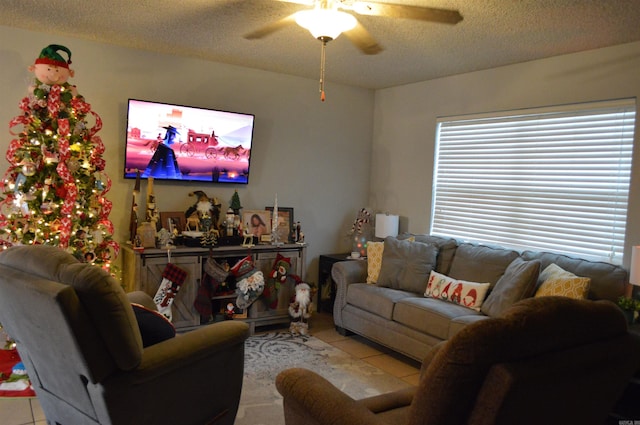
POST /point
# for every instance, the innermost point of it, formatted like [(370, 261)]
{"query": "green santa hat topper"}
[(50, 56)]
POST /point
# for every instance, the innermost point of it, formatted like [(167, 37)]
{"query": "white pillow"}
[(461, 292)]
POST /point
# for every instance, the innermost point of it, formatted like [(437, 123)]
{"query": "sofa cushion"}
[(518, 281), (468, 294), (446, 248), (374, 260), (406, 265), (558, 282), (429, 315), (154, 327), (478, 263), (375, 299), (608, 281)]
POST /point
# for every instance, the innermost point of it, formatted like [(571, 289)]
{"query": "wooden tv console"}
[(143, 271)]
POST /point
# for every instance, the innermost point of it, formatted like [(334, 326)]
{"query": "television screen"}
[(174, 142)]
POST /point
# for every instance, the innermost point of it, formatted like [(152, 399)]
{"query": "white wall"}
[(405, 120), (315, 155)]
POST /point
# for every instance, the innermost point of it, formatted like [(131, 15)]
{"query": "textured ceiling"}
[(493, 33)]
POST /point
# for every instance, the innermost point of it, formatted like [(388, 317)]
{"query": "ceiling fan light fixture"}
[(325, 23)]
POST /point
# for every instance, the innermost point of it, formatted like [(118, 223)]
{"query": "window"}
[(549, 179)]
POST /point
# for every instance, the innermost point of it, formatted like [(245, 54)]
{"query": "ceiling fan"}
[(327, 20)]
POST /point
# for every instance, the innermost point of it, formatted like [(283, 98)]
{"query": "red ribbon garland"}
[(11, 151), (70, 196), (54, 104), (63, 127), (53, 100)]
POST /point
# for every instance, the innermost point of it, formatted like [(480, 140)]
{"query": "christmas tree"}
[(54, 189)]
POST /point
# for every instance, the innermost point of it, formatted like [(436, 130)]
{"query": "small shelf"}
[(224, 297)]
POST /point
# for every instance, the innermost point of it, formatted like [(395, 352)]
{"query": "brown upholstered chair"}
[(79, 339), (547, 360)]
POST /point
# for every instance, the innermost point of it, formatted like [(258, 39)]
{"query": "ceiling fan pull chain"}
[(322, 60)]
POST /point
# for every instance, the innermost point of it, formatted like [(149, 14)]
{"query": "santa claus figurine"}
[(300, 310)]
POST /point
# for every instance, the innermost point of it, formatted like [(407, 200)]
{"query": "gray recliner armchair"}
[(78, 336), (547, 360)]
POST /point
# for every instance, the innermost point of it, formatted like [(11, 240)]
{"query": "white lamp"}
[(386, 225)]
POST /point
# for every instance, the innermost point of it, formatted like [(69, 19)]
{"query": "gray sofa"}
[(396, 314)]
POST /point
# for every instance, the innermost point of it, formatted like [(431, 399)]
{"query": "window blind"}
[(549, 179)]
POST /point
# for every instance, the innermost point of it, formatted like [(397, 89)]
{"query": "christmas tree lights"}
[(54, 190)]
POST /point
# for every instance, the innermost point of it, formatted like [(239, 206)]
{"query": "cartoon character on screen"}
[(163, 163)]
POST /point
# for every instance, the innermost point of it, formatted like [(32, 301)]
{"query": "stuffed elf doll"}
[(50, 68)]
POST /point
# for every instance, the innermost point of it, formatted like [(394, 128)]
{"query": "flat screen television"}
[(175, 142)]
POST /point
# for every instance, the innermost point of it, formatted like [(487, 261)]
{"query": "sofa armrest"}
[(142, 298), (309, 399), (210, 358), (193, 346), (343, 274), (430, 356)]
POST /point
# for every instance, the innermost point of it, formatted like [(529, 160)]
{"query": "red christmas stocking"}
[(172, 279), (277, 277)]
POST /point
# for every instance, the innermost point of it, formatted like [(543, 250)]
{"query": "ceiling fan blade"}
[(271, 28), (445, 16), (361, 38), (305, 2)]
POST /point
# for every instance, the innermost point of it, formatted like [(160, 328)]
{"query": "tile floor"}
[(28, 411)]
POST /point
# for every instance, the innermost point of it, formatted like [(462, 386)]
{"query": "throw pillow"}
[(374, 260), (154, 327), (406, 265), (481, 263), (558, 282), (518, 282), (468, 294)]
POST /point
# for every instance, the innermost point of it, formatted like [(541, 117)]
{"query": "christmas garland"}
[(56, 157)]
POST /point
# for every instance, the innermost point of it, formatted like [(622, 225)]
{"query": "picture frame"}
[(257, 222), (285, 222), (177, 218)]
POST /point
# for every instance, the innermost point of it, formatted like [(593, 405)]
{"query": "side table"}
[(324, 278)]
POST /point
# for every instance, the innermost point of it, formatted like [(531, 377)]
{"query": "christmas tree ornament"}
[(28, 168)]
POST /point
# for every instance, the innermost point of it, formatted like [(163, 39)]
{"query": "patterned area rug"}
[(268, 354)]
